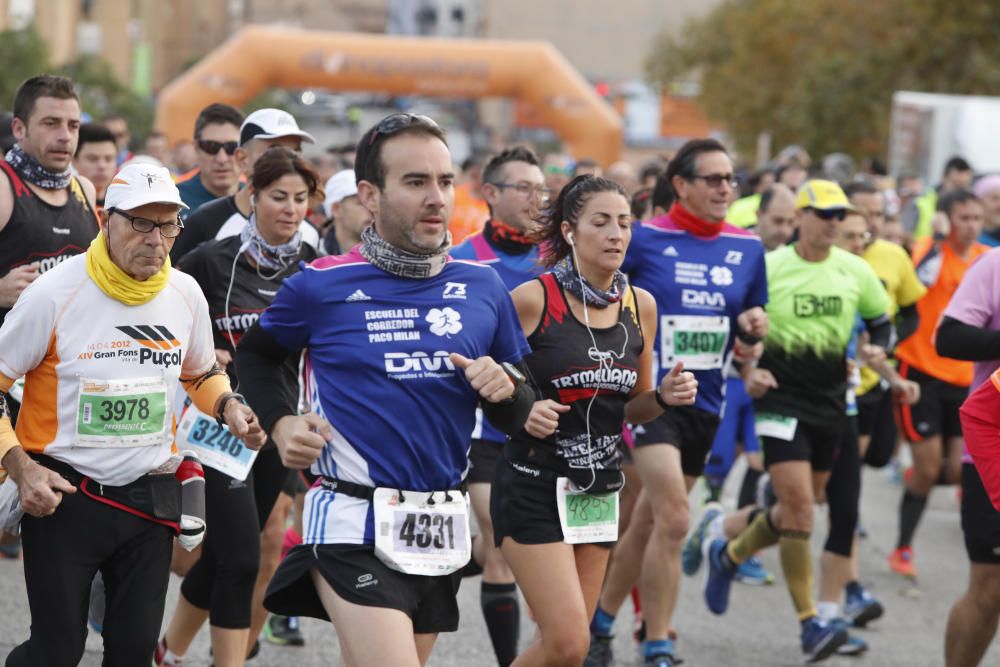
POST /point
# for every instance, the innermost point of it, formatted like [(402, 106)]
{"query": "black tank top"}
[(43, 233), (566, 367)]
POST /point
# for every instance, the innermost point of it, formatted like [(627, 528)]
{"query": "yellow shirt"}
[(896, 271)]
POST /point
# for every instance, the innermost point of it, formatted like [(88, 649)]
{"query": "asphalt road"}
[(759, 630)]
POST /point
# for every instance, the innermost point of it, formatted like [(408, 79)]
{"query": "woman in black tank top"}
[(554, 500)]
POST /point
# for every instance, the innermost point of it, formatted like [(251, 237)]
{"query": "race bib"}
[(775, 426), (586, 518), (122, 413), (216, 447), (697, 340), (416, 536)]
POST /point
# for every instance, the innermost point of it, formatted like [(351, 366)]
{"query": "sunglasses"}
[(831, 214), (715, 180), (213, 147), (390, 125)]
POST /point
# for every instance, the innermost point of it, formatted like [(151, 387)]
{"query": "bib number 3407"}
[(420, 537)]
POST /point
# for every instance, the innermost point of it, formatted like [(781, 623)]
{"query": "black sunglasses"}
[(833, 213), (213, 147), (390, 125)]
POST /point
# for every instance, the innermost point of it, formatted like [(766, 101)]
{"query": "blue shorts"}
[(737, 426)]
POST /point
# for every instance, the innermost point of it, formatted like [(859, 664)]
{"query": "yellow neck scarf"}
[(116, 283)]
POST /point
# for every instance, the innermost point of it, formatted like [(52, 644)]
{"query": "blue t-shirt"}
[(378, 371), (194, 194), (700, 285), (513, 271)]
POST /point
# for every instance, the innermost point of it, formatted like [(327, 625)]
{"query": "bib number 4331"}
[(422, 533)]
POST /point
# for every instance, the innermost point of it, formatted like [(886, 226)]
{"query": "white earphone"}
[(569, 238)]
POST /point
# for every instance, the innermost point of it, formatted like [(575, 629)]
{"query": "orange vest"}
[(469, 216)]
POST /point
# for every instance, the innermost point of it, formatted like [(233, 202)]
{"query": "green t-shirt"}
[(812, 308)]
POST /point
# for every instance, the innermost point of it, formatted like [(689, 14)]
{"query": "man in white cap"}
[(347, 216), (103, 341), (226, 216)]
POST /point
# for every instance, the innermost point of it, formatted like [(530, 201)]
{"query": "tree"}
[(822, 73), (23, 54), (101, 93)]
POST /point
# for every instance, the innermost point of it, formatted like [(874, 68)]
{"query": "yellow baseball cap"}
[(822, 195)]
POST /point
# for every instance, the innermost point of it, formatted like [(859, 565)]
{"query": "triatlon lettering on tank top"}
[(599, 453), (392, 325)]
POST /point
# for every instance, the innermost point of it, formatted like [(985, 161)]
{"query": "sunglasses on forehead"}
[(390, 125), (213, 147), (831, 214)]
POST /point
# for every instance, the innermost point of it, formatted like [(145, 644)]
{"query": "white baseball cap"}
[(341, 185), (140, 184), (271, 124)]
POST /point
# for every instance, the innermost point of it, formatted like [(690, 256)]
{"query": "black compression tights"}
[(843, 493), (222, 580)]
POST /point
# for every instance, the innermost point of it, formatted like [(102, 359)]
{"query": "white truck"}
[(928, 128)]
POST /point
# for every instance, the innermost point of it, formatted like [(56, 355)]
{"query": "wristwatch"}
[(222, 406)]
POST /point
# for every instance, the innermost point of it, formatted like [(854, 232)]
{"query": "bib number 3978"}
[(586, 518), (122, 413), (420, 537)]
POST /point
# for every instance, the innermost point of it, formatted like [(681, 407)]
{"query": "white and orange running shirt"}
[(100, 376)]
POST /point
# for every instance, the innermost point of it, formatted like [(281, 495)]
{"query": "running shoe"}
[(821, 640), (752, 572), (95, 612), (600, 653), (283, 631), (901, 562), (662, 660), (854, 645), (860, 607), (720, 577), (691, 556)]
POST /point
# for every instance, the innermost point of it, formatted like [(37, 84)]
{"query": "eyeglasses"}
[(715, 180), (829, 214), (168, 230), (390, 125), (526, 189), (213, 147)]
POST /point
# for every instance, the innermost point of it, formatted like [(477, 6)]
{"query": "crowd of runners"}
[(336, 386)]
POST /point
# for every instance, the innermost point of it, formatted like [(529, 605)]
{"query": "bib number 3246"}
[(420, 537)]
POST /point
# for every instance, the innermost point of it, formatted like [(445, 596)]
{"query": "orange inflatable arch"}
[(257, 58)]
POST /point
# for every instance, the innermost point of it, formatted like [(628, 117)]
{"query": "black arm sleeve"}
[(511, 415), (267, 374), (880, 332), (958, 340), (907, 322)]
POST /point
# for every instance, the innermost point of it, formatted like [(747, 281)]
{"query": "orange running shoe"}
[(901, 562)]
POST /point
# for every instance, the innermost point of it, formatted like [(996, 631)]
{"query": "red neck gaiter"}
[(689, 222)]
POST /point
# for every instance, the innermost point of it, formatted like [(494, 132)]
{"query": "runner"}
[(709, 284), (216, 135), (592, 337), (103, 342), (970, 330), (228, 215), (94, 158), (515, 191), (392, 324), (239, 276), (816, 292), (348, 218), (932, 426)]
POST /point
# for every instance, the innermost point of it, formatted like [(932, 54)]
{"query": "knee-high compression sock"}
[(796, 563), (911, 508), (759, 535), (502, 612), (748, 490)]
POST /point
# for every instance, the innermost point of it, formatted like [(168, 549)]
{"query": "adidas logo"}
[(358, 296), (670, 251)]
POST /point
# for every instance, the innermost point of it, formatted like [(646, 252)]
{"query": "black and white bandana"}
[(32, 171), (574, 283), (399, 262)]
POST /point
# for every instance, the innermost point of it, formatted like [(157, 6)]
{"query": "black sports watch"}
[(225, 401)]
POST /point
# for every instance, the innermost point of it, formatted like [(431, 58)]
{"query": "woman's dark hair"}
[(568, 206), (277, 162)]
